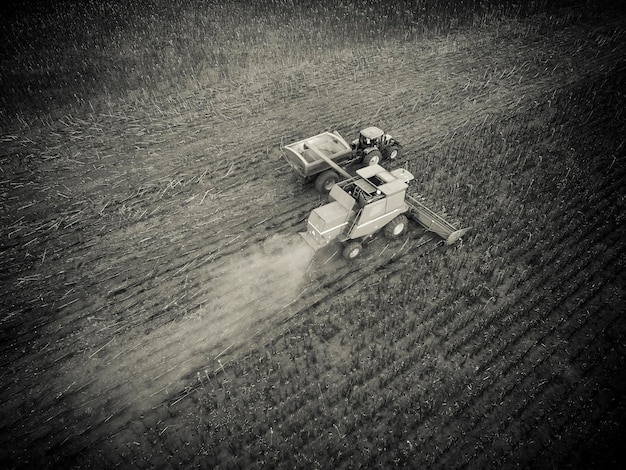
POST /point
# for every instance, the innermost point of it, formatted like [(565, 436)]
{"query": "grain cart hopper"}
[(312, 158), (374, 200)]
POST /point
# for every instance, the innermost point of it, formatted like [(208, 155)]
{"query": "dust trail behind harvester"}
[(260, 282), (245, 293)]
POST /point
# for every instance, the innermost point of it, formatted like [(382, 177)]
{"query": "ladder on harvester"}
[(346, 235), (433, 222)]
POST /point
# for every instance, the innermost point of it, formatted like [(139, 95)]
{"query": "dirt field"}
[(160, 310)]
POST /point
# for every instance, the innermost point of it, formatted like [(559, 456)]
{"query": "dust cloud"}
[(244, 294), (258, 283)]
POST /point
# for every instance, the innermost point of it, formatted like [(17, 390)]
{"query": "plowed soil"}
[(159, 308)]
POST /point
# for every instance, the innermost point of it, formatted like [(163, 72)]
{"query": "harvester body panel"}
[(373, 218), (359, 207), (328, 222)]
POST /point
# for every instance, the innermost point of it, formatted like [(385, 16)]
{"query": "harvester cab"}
[(359, 207), (373, 145)]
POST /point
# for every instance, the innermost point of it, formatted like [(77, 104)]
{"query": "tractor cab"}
[(370, 137), (373, 146)]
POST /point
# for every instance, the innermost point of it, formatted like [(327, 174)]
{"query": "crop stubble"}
[(112, 248)]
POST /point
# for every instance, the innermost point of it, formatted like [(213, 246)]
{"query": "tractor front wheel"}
[(352, 250), (325, 181), (397, 227)]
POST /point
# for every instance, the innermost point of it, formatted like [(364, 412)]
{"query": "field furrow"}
[(160, 308)]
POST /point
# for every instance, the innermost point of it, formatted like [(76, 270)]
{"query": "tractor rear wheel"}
[(397, 227), (372, 158), (352, 250), (325, 181), (392, 152)]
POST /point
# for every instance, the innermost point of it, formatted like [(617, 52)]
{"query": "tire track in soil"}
[(603, 235), (75, 316), (524, 371), (244, 291), (594, 410), (591, 447), (326, 287), (474, 394), (480, 395), (583, 236), (435, 413)]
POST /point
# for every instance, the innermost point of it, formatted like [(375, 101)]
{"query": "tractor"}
[(373, 146), (312, 158)]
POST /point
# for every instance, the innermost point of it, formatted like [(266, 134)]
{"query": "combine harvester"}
[(362, 205)]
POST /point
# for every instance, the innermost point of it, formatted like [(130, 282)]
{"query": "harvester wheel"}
[(325, 181), (397, 227), (352, 250), (392, 152), (372, 158)]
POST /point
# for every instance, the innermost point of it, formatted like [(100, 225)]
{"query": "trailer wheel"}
[(392, 152), (325, 181), (372, 158), (352, 250), (397, 227)]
